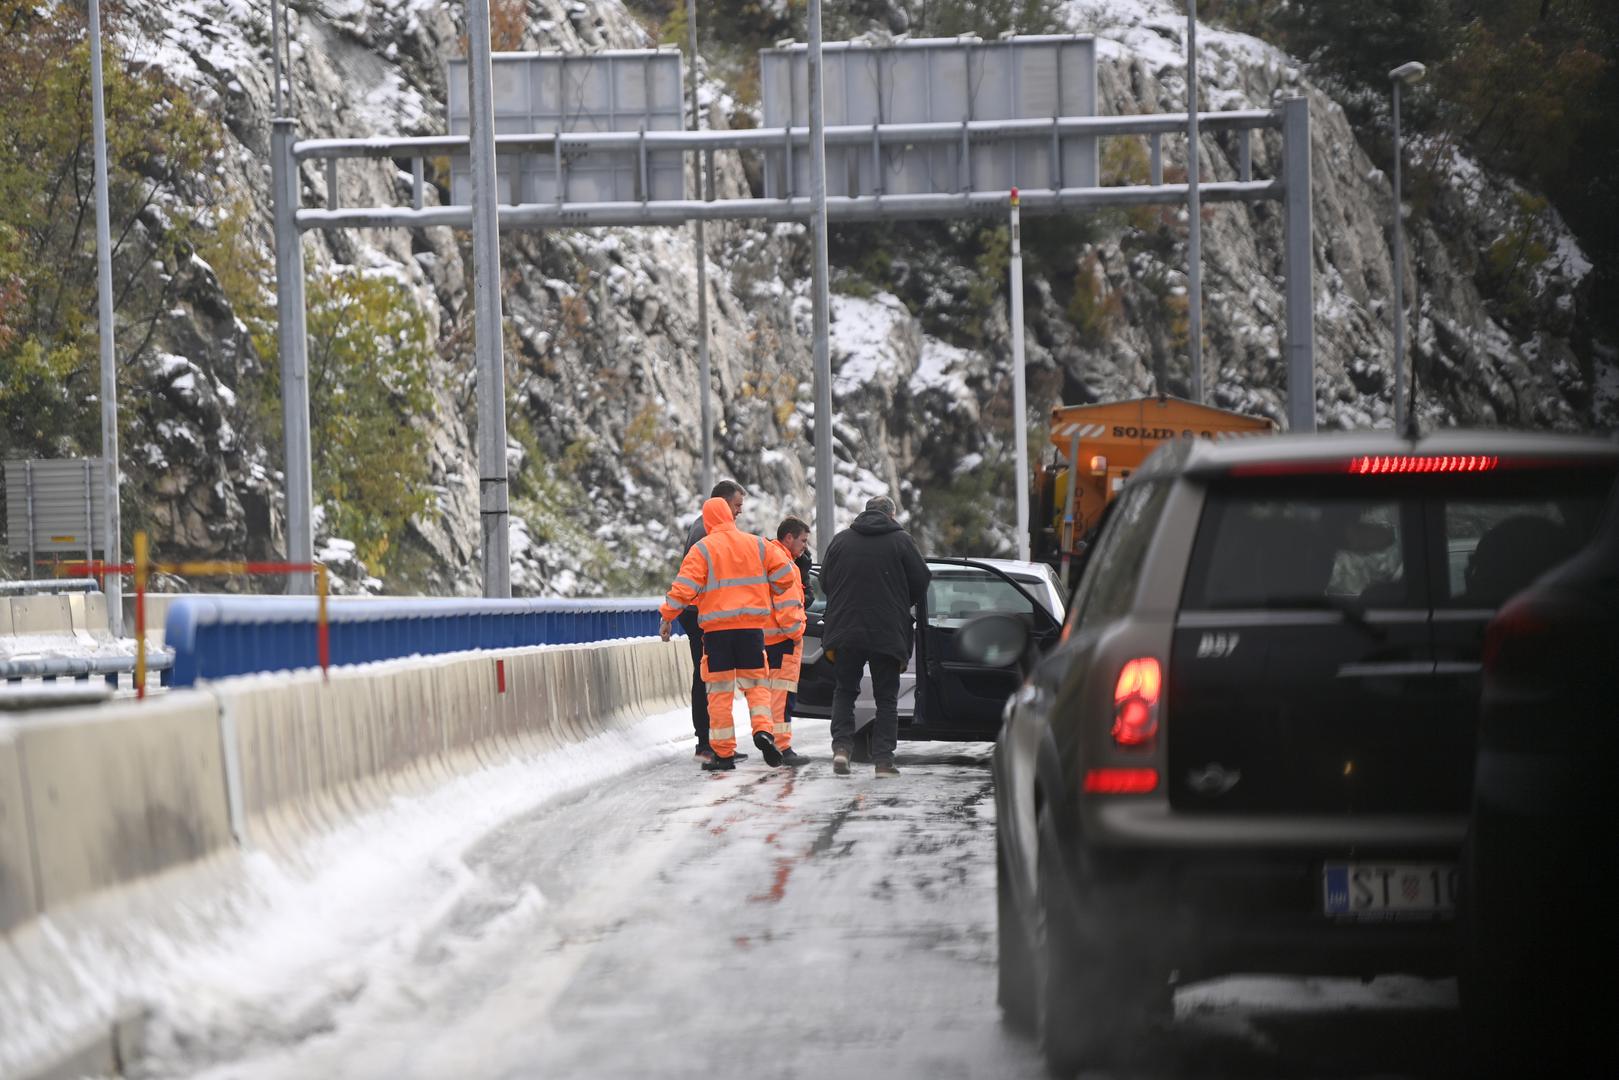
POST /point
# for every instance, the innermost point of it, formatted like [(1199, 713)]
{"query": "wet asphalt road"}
[(764, 923)]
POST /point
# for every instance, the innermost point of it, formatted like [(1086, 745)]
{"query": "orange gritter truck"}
[(1097, 447)]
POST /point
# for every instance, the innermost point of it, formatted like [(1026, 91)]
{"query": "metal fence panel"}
[(936, 81), (546, 93), (215, 637), (48, 507)]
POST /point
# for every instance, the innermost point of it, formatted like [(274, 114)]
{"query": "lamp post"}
[(1406, 73)]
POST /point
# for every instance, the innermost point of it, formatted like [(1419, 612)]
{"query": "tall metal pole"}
[(292, 343), (275, 56), (1020, 393), (704, 374), (1194, 211), (1399, 277), (825, 481), (1298, 264), (492, 493), (110, 544)]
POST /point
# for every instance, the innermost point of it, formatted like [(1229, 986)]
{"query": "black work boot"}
[(720, 764), (792, 758), (767, 746)]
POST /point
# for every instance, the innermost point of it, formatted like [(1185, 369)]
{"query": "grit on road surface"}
[(759, 924)]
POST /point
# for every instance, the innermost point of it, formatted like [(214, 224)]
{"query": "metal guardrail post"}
[(1298, 265)]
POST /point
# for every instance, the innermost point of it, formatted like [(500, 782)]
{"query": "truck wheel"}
[(1014, 986)]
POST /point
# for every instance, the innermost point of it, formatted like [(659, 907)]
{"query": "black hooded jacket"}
[(872, 575)]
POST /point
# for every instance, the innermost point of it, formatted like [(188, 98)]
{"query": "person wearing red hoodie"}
[(784, 640), (734, 579)]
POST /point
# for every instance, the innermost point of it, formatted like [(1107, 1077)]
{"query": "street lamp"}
[(1411, 72)]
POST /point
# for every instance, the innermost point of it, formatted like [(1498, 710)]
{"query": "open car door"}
[(955, 697)]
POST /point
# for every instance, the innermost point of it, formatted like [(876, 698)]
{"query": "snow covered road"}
[(665, 922)]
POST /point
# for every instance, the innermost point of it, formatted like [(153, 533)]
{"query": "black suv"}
[(1253, 748)]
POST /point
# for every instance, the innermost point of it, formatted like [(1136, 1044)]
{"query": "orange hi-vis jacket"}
[(788, 610), (733, 577)]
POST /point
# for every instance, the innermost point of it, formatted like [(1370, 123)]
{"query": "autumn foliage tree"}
[(49, 365)]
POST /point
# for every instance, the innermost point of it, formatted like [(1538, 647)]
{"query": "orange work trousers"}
[(783, 681), (722, 687)]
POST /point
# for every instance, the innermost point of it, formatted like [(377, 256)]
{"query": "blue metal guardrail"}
[(216, 637)]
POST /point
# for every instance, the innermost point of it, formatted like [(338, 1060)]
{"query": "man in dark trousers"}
[(873, 576), (731, 492)]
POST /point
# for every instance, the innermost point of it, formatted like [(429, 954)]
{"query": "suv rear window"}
[(1336, 542), (1290, 549)]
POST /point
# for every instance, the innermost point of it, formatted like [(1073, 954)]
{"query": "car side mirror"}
[(994, 640)]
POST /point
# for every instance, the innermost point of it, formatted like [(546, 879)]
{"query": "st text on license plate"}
[(1388, 890)]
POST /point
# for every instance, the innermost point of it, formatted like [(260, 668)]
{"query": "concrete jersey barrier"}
[(123, 823), (105, 795)]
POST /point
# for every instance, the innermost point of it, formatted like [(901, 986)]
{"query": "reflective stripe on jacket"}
[(788, 614), (733, 577)]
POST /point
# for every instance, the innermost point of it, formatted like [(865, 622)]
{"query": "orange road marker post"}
[(141, 558)]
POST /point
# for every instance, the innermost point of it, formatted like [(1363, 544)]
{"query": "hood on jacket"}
[(717, 514), (873, 523)]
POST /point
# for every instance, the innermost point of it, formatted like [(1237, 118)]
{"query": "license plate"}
[(1388, 890)]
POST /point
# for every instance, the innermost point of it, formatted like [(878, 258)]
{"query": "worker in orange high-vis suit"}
[(784, 641), (734, 578)]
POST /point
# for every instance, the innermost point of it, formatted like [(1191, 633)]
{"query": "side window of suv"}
[(1496, 546), (1113, 573)]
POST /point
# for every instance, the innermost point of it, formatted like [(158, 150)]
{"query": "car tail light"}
[(1135, 701), (1121, 781)]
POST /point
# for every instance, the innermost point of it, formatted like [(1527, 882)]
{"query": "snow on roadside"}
[(298, 937)]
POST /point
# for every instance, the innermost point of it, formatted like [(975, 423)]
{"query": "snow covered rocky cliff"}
[(602, 366)]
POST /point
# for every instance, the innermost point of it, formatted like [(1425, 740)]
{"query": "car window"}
[(818, 605), (1495, 545), (1114, 571), (1270, 548), (957, 593)]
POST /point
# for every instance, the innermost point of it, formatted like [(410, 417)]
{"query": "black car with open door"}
[(942, 695), (959, 698)]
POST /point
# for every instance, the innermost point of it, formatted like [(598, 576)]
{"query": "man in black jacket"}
[(873, 576), (731, 492)]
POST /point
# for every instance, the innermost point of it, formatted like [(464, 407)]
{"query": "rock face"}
[(601, 359)]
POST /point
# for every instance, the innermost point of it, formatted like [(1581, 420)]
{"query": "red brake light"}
[(1395, 464), (1120, 781), (1135, 701)]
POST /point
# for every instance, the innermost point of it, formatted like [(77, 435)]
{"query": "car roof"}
[(1005, 566), (1206, 455)]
